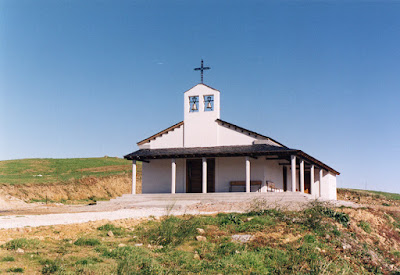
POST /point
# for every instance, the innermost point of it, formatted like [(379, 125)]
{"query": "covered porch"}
[(252, 168)]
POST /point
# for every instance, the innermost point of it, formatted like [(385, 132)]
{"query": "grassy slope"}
[(319, 240), (389, 196), (368, 196), (27, 171)]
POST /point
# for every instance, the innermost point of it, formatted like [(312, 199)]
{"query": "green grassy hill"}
[(37, 171)]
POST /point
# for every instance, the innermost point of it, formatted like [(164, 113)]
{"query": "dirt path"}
[(39, 215), (71, 218)]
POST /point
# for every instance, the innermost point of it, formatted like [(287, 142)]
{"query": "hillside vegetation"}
[(321, 239), (37, 171), (67, 180), (318, 240), (369, 197)]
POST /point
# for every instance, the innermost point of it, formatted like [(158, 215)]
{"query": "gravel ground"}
[(81, 214), (17, 221)]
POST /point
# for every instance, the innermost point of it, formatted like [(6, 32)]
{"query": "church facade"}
[(185, 158)]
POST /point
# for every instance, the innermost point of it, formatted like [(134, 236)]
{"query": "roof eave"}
[(252, 132), (317, 162), (177, 125), (296, 152)]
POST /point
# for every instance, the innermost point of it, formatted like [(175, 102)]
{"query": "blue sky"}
[(91, 78)]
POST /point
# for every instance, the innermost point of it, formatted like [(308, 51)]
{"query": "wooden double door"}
[(194, 175), (307, 182)]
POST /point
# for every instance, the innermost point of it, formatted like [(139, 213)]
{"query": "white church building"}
[(186, 158)]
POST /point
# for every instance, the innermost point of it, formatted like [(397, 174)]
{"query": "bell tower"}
[(201, 109)]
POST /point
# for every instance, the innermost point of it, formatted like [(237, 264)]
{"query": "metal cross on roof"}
[(201, 69)]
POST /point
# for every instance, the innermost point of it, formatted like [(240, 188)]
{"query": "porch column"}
[(204, 178), (302, 175), (321, 175), (247, 175), (293, 166), (173, 176), (312, 180), (133, 176), (264, 182)]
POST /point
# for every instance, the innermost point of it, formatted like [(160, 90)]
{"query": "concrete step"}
[(191, 198), (211, 195), (222, 194)]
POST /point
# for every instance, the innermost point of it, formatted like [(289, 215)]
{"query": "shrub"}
[(87, 242), (134, 260), (21, 243), (365, 226), (229, 249), (230, 218), (318, 211), (273, 212), (314, 215), (51, 267), (336, 232), (89, 260), (117, 231), (8, 259), (395, 253), (309, 238), (137, 264), (342, 218), (255, 224), (16, 269), (171, 231), (120, 252)]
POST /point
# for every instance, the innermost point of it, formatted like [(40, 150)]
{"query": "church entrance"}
[(307, 182), (194, 175), (284, 178)]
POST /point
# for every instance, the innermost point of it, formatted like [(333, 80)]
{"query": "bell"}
[(209, 105), (194, 107)]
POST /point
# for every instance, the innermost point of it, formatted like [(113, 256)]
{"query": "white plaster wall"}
[(156, 176), (172, 139), (324, 192), (274, 172), (328, 188), (289, 178), (200, 128), (228, 136), (331, 182), (315, 185), (234, 169)]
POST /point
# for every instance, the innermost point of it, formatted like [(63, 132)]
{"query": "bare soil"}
[(88, 188)]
